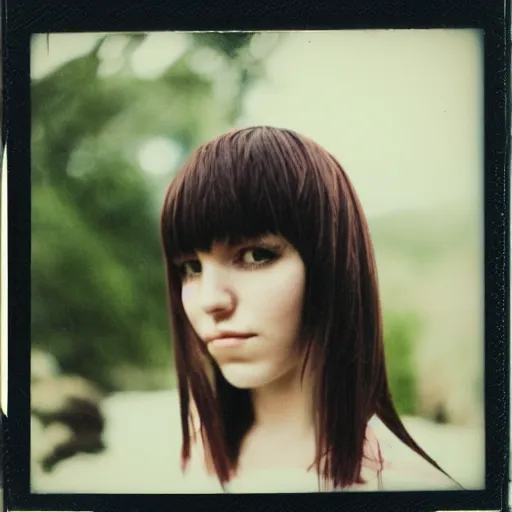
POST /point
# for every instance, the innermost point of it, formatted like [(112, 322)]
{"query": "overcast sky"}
[(401, 109)]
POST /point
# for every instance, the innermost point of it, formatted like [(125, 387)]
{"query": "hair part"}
[(259, 180)]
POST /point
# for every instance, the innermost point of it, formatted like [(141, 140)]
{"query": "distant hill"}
[(430, 265), (426, 235)]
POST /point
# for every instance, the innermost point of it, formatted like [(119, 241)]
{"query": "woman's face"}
[(245, 302)]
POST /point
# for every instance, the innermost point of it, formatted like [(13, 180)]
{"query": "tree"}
[(98, 289)]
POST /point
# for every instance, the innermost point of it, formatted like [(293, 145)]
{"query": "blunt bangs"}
[(240, 185)]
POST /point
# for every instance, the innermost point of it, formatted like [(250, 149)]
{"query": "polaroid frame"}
[(23, 18)]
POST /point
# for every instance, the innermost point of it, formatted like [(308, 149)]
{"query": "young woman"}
[(277, 324)]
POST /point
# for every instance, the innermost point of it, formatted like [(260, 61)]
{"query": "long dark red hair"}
[(261, 180)]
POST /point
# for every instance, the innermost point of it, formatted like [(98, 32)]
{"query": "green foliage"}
[(228, 43), (400, 331), (98, 282)]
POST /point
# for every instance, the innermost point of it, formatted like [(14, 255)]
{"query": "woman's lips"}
[(229, 341)]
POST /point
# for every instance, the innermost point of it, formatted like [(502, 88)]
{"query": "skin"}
[(254, 288), (257, 287)]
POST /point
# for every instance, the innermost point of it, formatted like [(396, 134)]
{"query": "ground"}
[(142, 438)]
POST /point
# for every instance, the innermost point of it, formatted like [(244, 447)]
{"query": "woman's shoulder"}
[(413, 473), (404, 469)]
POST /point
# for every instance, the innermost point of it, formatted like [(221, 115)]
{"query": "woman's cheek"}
[(186, 293), (293, 297), (187, 299)]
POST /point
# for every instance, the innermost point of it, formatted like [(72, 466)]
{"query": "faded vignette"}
[(114, 116)]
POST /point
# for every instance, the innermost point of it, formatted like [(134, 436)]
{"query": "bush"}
[(400, 331)]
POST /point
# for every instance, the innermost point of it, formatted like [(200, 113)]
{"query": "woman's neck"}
[(283, 434), (285, 406)]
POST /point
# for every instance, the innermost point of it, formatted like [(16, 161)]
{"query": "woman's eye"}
[(257, 256), (190, 268)]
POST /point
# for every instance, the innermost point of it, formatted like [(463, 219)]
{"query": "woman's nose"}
[(215, 293)]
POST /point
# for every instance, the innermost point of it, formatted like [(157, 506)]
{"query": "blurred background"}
[(114, 116)]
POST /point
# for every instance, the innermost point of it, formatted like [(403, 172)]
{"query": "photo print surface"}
[(115, 120)]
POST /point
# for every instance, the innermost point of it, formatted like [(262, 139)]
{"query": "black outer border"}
[(25, 17)]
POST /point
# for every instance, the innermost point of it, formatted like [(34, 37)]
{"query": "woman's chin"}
[(243, 383), (241, 377), (244, 375)]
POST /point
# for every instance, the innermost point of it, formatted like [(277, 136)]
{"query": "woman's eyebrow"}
[(270, 242), (250, 240)]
